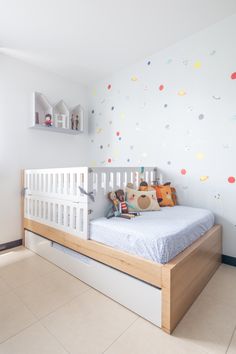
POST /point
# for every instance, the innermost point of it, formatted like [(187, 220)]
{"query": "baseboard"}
[(229, 260), (12, 244)]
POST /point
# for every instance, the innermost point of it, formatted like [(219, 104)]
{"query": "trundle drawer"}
[(138, 296)]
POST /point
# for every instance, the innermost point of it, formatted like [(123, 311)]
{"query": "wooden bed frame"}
[(57, 210), (181, 280)]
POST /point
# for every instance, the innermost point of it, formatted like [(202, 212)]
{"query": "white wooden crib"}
[(53, 196), (58, 207)]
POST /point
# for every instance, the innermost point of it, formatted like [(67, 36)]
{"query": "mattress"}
[(156, 235)]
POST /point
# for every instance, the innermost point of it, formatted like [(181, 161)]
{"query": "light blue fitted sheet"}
[(155, 235)]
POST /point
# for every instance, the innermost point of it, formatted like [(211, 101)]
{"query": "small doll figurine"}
[(123, 207), (72, 122), (113, 198), (114, 209), (76, 122), (48, 120)]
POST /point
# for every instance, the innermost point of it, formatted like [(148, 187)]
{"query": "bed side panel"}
[(184, 278)]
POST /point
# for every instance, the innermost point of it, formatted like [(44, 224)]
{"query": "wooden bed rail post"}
[(185, 276)]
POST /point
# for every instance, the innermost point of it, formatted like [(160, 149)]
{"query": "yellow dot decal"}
[(200, 156), (204, 178), (181, 93), (197, 64), (134, 78)]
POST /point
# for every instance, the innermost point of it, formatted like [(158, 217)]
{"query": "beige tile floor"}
[(44, 310)]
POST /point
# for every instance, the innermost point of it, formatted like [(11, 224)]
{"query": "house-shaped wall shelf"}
[(57, 118), (77, 117), (61, 115)]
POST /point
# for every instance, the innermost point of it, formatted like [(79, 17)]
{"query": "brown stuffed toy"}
[(144, 186)]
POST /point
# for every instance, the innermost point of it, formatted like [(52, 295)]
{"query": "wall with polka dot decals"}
[(176, 110)]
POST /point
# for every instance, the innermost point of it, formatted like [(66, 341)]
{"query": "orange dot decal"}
[(161, 87), (183, 172), (233, 76), (231, 179)]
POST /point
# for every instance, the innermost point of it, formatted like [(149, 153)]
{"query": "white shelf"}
[(56, 129), (63, 119)]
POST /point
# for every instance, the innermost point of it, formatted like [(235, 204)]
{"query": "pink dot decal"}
[(183, 172), (109, 160), (161, 87), (117, 133), (233, 76), (231, 179), (109, 87)]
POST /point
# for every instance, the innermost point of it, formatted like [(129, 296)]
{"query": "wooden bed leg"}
[(166, 300), (186, 275)]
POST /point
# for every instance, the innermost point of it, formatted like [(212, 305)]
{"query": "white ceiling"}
[(85, 40)]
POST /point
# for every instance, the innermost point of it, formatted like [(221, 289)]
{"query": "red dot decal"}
[(161, 87), (233, 76), (117, 133), (109, 160), (109, 87), (183, 171), (231, 179)]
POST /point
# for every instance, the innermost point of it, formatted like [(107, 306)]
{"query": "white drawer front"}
[(132, 293)]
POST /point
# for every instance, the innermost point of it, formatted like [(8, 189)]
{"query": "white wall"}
[(195, 131), (21, 147)]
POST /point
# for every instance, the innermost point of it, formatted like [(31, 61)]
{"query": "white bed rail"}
[(54, 197), (104, 180)]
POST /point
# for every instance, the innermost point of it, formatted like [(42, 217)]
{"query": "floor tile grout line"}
[(18, 332), (13, 290), (37, 278), (38, 320), (30, 281), (32, 324), (41, 276), (65, 303), (231, 338), (23, 304), (57, 340), (115, 340), (57, 308), (51, 271)]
